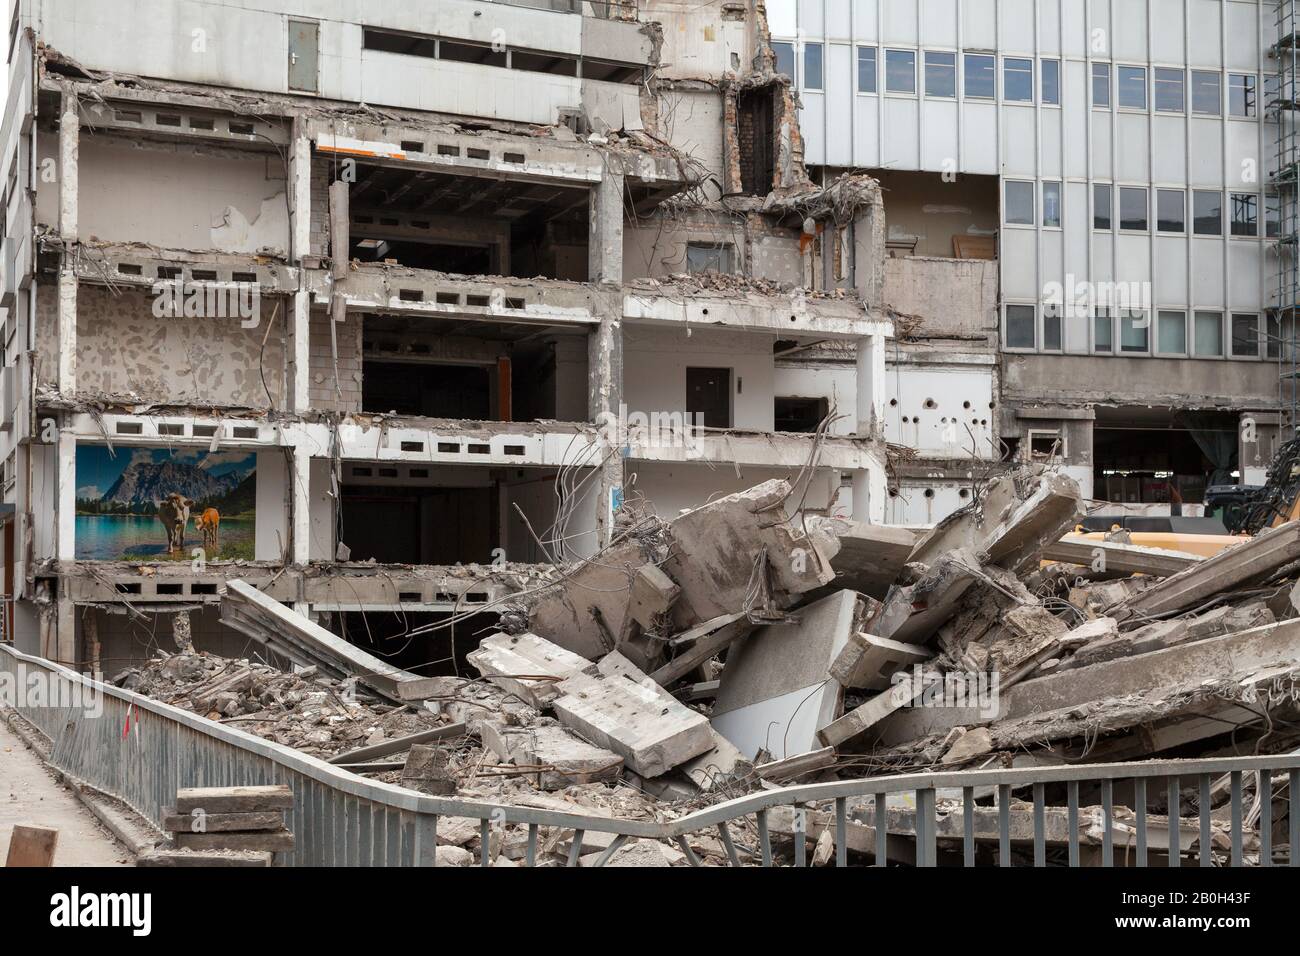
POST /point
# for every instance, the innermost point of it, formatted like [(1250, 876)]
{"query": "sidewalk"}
[(30, 795)]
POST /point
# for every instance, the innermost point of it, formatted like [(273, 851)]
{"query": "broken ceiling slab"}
[(526, 665), (1231, 568), (1015, 517), (776, 691), (1115, 558), (870, 556), (617, 707), (914, 613), (868, 661), (713, 553), (305, 642)]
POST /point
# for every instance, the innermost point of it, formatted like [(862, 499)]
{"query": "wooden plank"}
[(397, 744), (200, 822), (32, 846), (233, 799)]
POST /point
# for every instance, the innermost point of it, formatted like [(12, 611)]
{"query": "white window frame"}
[(1119, 210), (857, 69), (1224, 336), (1146, 87), (1033, 213), (1111, 316), (1259, 337), (884, 73), (1182, 72), (1123, 314), (1033, 80), (1056, 434)]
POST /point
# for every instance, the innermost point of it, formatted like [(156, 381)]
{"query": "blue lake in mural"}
[(123, 537)]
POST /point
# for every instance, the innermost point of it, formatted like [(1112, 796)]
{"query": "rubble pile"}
[(736, 648)]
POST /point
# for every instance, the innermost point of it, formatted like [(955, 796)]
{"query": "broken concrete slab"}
[(717, 767), (798, 765), (776, 692), (652, 595), (526, 665), (1014, 518), (868, 661), (870, 556), (700, 644), (710, 552), (1230, 657), (560, 758), (617, 707), (305, 642), (428, 770), (233, 799), (1233, 567), (1114, 558), (913, 613), (863, 718)]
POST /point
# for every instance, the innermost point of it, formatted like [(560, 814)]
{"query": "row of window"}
[(1129, 332), (1135, 210), (1169, 87)]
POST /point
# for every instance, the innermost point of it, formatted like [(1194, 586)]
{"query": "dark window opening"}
[(400, 43), (401, 524), (461, 52), (611, 72), (543, 63), (801, 415)]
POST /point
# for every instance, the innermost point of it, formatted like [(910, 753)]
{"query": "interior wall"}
[(925, 207), (126, 640), (672, 488), (173, 195), (655, 362)]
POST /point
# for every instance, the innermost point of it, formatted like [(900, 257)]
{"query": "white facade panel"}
[(1207, 273), (1167, 37), (1243, 35), (939, 129), (900, 24), (1019, 253), (1129, 34), (939, 23), (1017, 25), (1171, 271), (1019, 149), (1207, 33), (839, 104), (979, 24), (1170, 150), (980, 138), (901, 149)]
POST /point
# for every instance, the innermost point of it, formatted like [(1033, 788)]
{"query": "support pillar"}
[(300, 494), (66, 508), (871, 384), (605, 400), (299, 324), (605, 240), (69, 140)]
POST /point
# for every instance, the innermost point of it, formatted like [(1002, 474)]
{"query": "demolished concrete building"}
[(500, 372)]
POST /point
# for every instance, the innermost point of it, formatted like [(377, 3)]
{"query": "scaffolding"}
[(1282, 220)]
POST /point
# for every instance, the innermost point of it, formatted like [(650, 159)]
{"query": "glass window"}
[(940, 74), (1207, 93), (784, 57), (1052, 205), (1020, 203), (1209, 334), (1245, 214), (1050, 71), (1171, 210), (1272, 336), (704, 257), (1241, 94), (1020, 327), (1272, 216), (1169, 90), (1131, 82), (1207, 213), (1133, 208), (1103, 332), (866, 69), (812, 66), (1103, 205), (1245, 335), (1017, 80), (1052, 327), (900, 71), (980, 76), (1101, 85), (1134, 331), (1171, 333)]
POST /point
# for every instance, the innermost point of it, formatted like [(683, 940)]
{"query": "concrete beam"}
[(1112, 557)]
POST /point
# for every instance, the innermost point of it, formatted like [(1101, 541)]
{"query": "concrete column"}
[(870, 488), (300, 495), (299, 325), (871, 383), (605, 398), (66, 630), (69, 138), (66, 510), (605, 249)]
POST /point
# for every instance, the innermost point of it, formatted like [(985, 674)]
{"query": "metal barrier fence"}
[(142, 751)]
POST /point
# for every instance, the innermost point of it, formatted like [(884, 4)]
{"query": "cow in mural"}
[(209, 524), (174, 513)]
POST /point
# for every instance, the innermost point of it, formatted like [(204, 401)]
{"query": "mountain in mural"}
[(144, 483)]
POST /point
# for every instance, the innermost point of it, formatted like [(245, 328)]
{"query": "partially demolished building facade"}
[(388, 311)]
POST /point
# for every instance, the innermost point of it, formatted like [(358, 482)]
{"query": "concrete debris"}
[(721, 652)]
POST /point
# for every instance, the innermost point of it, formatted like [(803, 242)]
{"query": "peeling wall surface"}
[(124, 350), (178, 196)]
